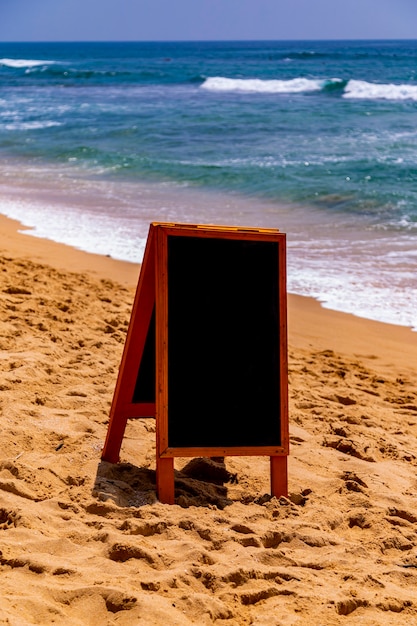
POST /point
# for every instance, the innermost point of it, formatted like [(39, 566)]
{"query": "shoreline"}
[(309, 323), (358, 271), (13, 240)]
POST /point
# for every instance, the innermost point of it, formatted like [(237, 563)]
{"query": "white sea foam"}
[(17, 63), (344, 292), (361, 89), (366, 277), (371, 275), (81, 229), (256, 85), (31, 125), (354, 89)]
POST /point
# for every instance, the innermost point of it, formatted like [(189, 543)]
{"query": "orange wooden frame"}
[(152, 294)]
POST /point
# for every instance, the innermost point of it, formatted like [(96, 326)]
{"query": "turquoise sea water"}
[(318, 139)]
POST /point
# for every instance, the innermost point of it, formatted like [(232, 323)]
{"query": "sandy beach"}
[(84, 542)]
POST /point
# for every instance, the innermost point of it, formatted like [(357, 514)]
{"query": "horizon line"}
[(283, 40)]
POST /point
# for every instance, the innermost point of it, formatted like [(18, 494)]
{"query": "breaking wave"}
[(21, 63), (353, 89), (361, 89), (256, 85)]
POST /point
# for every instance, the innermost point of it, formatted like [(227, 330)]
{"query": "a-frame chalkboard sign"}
[(206, 349)]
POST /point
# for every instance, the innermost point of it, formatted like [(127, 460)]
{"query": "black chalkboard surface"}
[(223, 343)]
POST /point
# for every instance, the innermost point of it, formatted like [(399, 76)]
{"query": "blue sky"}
[(138, 20)]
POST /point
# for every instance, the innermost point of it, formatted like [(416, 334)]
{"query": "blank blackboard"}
[(223, 342), (206, 348)]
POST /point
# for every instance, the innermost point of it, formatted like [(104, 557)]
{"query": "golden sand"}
[(85, 542)]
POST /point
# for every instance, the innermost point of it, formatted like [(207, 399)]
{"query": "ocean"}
[(316, 138)]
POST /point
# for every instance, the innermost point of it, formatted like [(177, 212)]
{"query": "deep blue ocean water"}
[(318, 139)]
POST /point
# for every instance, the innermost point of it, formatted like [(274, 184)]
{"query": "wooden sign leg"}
[(165, 480), (114, 438), (279, 476)]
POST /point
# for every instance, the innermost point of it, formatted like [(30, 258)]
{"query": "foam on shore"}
[(368, 272)]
